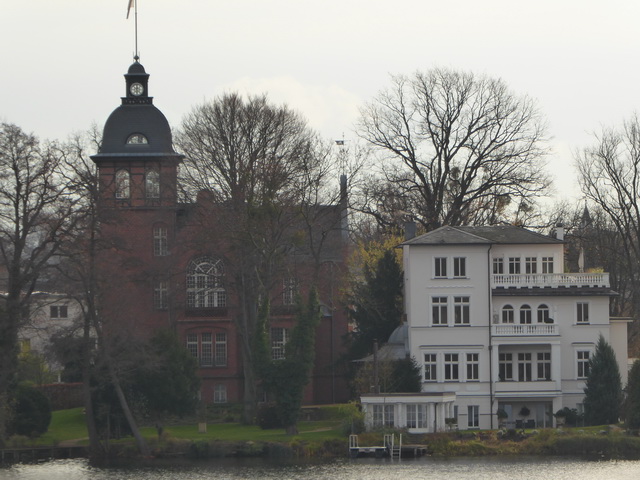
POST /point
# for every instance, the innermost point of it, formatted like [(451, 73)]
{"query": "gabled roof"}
[(501, 234)]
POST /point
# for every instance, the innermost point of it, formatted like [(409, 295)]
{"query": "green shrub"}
[(32, 413)]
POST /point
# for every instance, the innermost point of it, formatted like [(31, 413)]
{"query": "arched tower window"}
[(137, 139), (205, 283), (122, 184), (152, 184), (507, 314)]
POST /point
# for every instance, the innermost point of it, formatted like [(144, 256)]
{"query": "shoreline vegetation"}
[(325, 434)]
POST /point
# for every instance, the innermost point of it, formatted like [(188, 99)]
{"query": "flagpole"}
[(135, 12)]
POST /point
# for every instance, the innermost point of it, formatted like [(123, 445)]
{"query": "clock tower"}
[(136, 160)]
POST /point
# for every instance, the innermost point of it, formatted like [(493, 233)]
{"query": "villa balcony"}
[(524, 330), (550, 280), (527, 389)]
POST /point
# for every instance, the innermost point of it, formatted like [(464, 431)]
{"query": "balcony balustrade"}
[(542, 280), (523, 330), (516, 389)]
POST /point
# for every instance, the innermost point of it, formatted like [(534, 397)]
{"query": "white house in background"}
[(49, 314), (496, 322)]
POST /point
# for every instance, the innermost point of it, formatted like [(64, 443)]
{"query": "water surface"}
[(485, 468)]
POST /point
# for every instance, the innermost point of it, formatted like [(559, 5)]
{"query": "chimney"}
[(559, 232), (409, 230)]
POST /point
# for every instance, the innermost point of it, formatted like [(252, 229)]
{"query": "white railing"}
[(519, 330), (529, 280)]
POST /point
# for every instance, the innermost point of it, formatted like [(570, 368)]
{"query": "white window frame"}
[(547, 264), (459, 267), (525, 367), (221, 349), (498, 266), (279, 339), (289, 290), (451, 367), (582, 363), (531, 265), (383, 415), (220, 393), (152, 184), (507, 314), (439, 311), (473, 367), (123, 184), (161, 295), (416, 415), (582, 313), (430, 367), (206, 349), (543, 313), (58, 312), (192, 344), (461, 310), (473, 416), (160, 241), (505, 366), (205, 283), (526, 315), (515, 267), (440, 267), (543, 365)]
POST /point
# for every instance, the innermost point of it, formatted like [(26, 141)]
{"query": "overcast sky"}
[(63, 60)]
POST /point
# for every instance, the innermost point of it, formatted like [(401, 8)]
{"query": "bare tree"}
[(118, 355), (35, 216), (453, 148), (257, 162), (609, 175)]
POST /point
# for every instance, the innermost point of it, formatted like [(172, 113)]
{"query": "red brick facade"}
[(164, 265)]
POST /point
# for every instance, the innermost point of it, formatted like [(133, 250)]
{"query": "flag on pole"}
[(129, 7)]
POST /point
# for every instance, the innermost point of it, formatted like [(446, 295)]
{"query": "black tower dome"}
[(136, 128)]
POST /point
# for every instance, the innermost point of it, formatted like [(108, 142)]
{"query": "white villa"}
[(497, 324)]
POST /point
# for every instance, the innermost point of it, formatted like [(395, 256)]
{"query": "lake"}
[(489, 468)]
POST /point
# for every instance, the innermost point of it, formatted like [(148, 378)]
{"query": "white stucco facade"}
[(494, 319)]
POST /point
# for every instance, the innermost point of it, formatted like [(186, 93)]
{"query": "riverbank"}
[(326, 437)]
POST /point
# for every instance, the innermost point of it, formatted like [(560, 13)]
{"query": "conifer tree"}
[(284, 380), (632, 404), (603, 390)]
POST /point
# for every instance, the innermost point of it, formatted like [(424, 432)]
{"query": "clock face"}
[(136, 89)]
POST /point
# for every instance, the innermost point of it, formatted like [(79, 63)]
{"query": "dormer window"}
[(137, 139)]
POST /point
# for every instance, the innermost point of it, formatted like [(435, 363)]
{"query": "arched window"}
[(507, 314), (205, 283), (152, 184), (137, 139), (525, 314), (122, 184), (543, 314)]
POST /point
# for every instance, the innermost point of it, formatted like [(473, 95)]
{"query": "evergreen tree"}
[(377, 304), (603, 390), (284, 380), (632, 404)]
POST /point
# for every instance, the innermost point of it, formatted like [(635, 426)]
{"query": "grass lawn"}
[(68, 425), (235, 432), (65, 425)]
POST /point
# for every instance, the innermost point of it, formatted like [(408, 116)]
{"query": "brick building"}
[(167, 265)]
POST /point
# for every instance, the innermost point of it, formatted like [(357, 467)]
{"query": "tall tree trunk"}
[(140, 441), (95, 447)]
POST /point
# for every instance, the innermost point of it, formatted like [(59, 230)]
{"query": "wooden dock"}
[(389, 448)]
